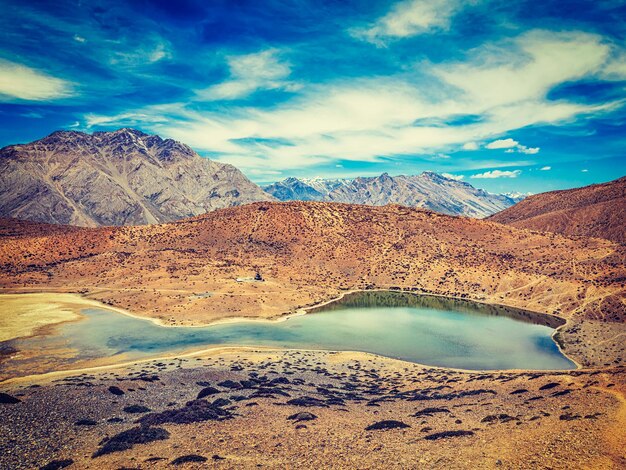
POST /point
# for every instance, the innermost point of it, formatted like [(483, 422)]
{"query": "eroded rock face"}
[(124, 177)]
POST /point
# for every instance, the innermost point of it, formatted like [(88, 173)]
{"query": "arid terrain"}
[(305, 409), (297, 409), (598, 210), (187, 272)]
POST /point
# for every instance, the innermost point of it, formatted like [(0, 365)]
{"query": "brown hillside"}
[(185, 272), (598, 210)]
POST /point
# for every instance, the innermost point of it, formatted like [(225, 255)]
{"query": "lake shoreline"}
[(194, 351)]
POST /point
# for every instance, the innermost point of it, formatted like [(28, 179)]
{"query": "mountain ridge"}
[(123, 177), (429, 190)]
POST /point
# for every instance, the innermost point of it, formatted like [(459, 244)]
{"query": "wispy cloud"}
[(453, 177), (409, 18), (545, 168), (364, 119), (497, 174), (248, 73), (24, 83)]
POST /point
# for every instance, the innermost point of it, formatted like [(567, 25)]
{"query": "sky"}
[(524, 96)]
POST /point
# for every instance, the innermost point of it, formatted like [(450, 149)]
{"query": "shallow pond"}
[(424, 329)]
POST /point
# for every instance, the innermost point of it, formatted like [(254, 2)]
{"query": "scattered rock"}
[(188, 458), (127, 439), (387, 424), (116, 390), (569, 417), (194, 412), (548, 386), (221, 402), (430, 411), (307, 401), (303, 416), (205, 392), (502, 417), (57, 464), (136, 409), (85, 422), (7, 399)]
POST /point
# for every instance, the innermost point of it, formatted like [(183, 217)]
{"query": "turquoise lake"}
[(424, 329)]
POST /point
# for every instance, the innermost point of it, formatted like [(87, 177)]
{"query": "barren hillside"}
[(598, 210)]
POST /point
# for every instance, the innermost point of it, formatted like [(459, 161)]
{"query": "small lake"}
[(425, 329)]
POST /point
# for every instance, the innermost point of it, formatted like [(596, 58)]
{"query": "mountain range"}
[(598, 210), (124, 177), (428, 190)]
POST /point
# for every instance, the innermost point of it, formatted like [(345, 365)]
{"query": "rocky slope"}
[(598, 210), (428, 190), (124, 177)]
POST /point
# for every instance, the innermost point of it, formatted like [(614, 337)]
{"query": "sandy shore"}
[(24, 314)]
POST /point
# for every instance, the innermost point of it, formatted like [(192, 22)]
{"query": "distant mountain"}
[(598, 210), (428, 190), (293, 189), (124, 177), (517, 196), (304, 189)]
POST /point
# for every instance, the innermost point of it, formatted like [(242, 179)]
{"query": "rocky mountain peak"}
[(429, 190), (122, 177)]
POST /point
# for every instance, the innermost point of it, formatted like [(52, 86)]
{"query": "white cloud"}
[(511, 146), (527, 68), (453, 177), (151, 49), (584, 171), (545, 168), (368, 118), (497, 174), (470, 146), (502, 144), (25, 83), (78, 38), (248, 73), (161, 51), (408, 18)]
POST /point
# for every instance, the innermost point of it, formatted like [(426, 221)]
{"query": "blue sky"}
[(510, 96)]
